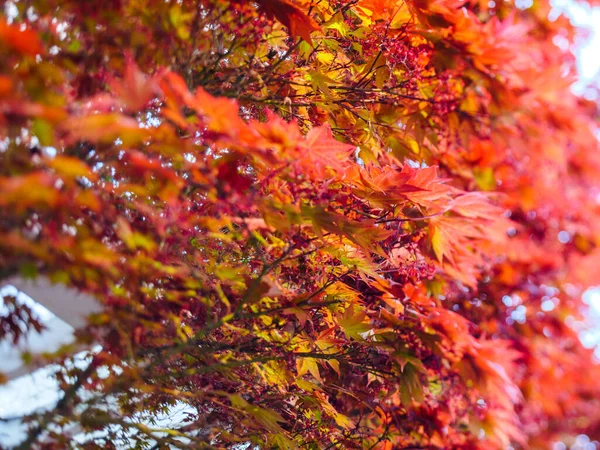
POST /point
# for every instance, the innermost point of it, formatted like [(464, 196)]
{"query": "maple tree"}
[(329, 224)]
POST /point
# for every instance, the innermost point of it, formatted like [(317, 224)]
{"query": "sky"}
[(588, 44), (588, 66)]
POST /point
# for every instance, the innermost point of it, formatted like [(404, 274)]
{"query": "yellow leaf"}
[(308, 365), (485, 178), (354, 322), (43, 131), (320, 82), (338, 23), (325, 57), (70, 167)]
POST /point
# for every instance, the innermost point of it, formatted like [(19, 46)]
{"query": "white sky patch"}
[(590, 336), (38, 390), (56, 334), (587, 44), (43, 313)]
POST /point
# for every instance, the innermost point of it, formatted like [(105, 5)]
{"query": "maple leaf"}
[(105, 128), (23, 40), (343, 421), (381, 9), (384, 187), (445, 237), (308, 365), (365, 234), (18, 190), (354, 322), (269, 418), (297, 21), (71, 167), (135, 90), (321, 150)]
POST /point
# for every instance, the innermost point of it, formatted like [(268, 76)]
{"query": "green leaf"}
[(354, 322), (29, 270), (267, 417), (320, 82), (43, 131), (338, 23)]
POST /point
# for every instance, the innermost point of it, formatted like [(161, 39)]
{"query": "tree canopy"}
[(353, 224)]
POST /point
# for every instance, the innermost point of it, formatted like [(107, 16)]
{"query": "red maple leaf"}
[(290, 15)]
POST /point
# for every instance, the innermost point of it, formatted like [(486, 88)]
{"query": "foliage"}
[(318, 225)]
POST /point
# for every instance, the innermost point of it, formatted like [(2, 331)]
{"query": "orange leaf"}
[(325, 151), (23, 41), (71, 168), (135, 90), (290, 15), (6, 85)]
